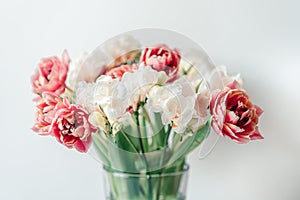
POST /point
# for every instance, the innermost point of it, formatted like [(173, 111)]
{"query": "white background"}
[(258, 38)]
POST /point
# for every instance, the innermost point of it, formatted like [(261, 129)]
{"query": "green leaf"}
[(159, 132), (100, 145), (126, 141), (185, 72), (183, 144), (198, 86)]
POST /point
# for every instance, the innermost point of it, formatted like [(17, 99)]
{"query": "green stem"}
[(165, 143), (100, 147), (144, 133), (130, 142), (167, 135), (136, 113)]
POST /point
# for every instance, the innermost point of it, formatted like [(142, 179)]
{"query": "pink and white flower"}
[(118, 72), (70, 126), (161, 58), (51, 74), (45, 112), (234, 114)]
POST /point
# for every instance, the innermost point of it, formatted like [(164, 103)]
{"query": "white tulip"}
[(135, 85), (90, 65), (75, 69), (101, 93), (176, 103), (85, 95), (105, 89), (219, 78)]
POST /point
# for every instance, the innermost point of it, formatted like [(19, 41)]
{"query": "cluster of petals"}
[(113, 52), (162, 58), (176, 103), (70, 126), (234, 114), (68, 123), (51, 74)]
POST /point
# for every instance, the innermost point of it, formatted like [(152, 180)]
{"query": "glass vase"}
[(147, 186)]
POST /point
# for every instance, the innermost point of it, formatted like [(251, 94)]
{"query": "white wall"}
[(258, 38)]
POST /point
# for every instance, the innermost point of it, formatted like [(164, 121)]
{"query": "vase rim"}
[(145, 174)]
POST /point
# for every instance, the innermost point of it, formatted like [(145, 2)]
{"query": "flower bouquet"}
[(140, 103)]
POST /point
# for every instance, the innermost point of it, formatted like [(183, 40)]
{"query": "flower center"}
[(66, 127), (242, 111)]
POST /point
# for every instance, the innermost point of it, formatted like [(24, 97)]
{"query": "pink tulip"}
[(234, 115), (51, 74), (161, 58), (70, 126), (45, 112), (118, 72)]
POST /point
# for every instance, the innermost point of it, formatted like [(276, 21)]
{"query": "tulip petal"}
[(256, 135), (233, 85), (259, 111), (231, 117), (65, 58)]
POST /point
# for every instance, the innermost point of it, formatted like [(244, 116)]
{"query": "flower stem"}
[(136, 113), (167, 135), (165, 143)]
